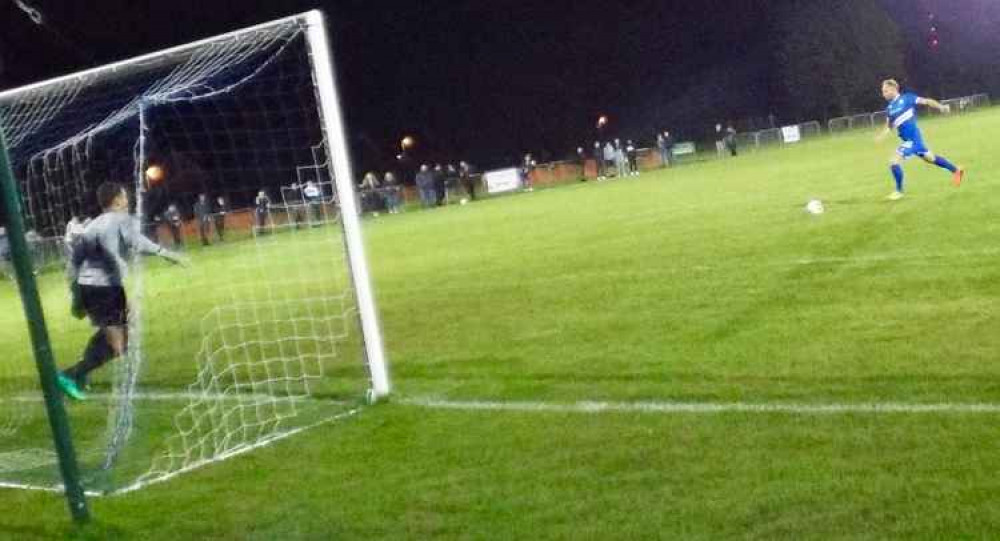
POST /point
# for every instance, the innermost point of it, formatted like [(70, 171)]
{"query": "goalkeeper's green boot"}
[(69, 387)]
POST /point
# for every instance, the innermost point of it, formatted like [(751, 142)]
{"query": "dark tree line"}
[(831, 55)]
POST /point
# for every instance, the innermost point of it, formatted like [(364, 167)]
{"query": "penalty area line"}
[(701, 407)]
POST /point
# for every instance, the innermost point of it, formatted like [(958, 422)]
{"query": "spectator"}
[(74, 228), (632, 154), (262, 209), (720, 141), (772, 120), (450, 181), (203, 215), (527, 168), (393, 192), (661, 145), (5, 266), (440, 190), (465, 173), (150, 227), (668, 142), (314, 200), (370, 182), (221, 209), (599, 160), (425, 185), (174, 222), (620, 158), (609, 157), (370, 198), (293, 204), (731, 139)]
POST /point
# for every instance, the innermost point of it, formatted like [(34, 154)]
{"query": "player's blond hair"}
[(891, 82)]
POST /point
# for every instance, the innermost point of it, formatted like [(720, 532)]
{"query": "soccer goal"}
[(263, 335)]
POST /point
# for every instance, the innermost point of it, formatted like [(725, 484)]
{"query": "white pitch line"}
[(701, 407)]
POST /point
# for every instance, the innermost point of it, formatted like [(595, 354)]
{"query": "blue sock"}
[(944, 164), (897, 173)]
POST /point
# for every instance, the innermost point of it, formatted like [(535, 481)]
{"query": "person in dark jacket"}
[(393, 192), (668, 143), (527, 168), (425, 185), (262, 210), (203, 215), (440, 190), (465, 173), (5, 264), (730, 139), (175, 223), (632, 156), (451, 178), (221, 210)]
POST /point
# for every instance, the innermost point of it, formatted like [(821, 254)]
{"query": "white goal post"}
[(343, 175)]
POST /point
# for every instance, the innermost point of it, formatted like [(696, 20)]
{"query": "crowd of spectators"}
[(615, 158), (302, 204), (436, 185)]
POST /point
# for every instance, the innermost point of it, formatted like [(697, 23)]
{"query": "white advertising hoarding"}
[(791, 134), (502, 180)]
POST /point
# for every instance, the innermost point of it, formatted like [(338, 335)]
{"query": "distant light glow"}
[(155, 174)]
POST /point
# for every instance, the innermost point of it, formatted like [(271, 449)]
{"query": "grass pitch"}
[(704, 285)]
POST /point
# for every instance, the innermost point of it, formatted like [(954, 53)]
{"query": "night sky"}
[(484, 80)]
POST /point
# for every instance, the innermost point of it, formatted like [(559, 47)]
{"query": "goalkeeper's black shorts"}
[(105, 305)]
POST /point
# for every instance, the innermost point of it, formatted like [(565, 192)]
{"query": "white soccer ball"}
[(463, 201), (815, 206)]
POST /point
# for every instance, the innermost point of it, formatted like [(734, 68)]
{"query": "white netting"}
[(259, 338)]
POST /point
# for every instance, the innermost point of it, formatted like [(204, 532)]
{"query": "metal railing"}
[(960, 105), (773, 136)]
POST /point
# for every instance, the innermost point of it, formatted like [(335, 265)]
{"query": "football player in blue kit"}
[(902, 116)]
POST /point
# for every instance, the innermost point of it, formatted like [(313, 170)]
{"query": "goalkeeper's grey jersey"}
[(101, 253)]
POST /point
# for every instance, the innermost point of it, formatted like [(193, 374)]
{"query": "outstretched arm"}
[(173, 257), (934, 104), (139, 242)]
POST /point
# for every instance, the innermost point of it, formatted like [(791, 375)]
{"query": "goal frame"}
[(328, 101)]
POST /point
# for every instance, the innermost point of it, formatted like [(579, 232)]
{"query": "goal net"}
[(233, 152)]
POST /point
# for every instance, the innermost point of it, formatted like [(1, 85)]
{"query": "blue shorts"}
[(910, 149)]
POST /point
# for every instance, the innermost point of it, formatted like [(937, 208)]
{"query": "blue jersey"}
[(902, 113)]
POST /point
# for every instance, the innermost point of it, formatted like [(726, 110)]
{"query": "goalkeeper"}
[(97, 272)]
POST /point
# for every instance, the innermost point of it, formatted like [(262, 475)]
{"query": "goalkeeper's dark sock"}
[(98, 353)]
